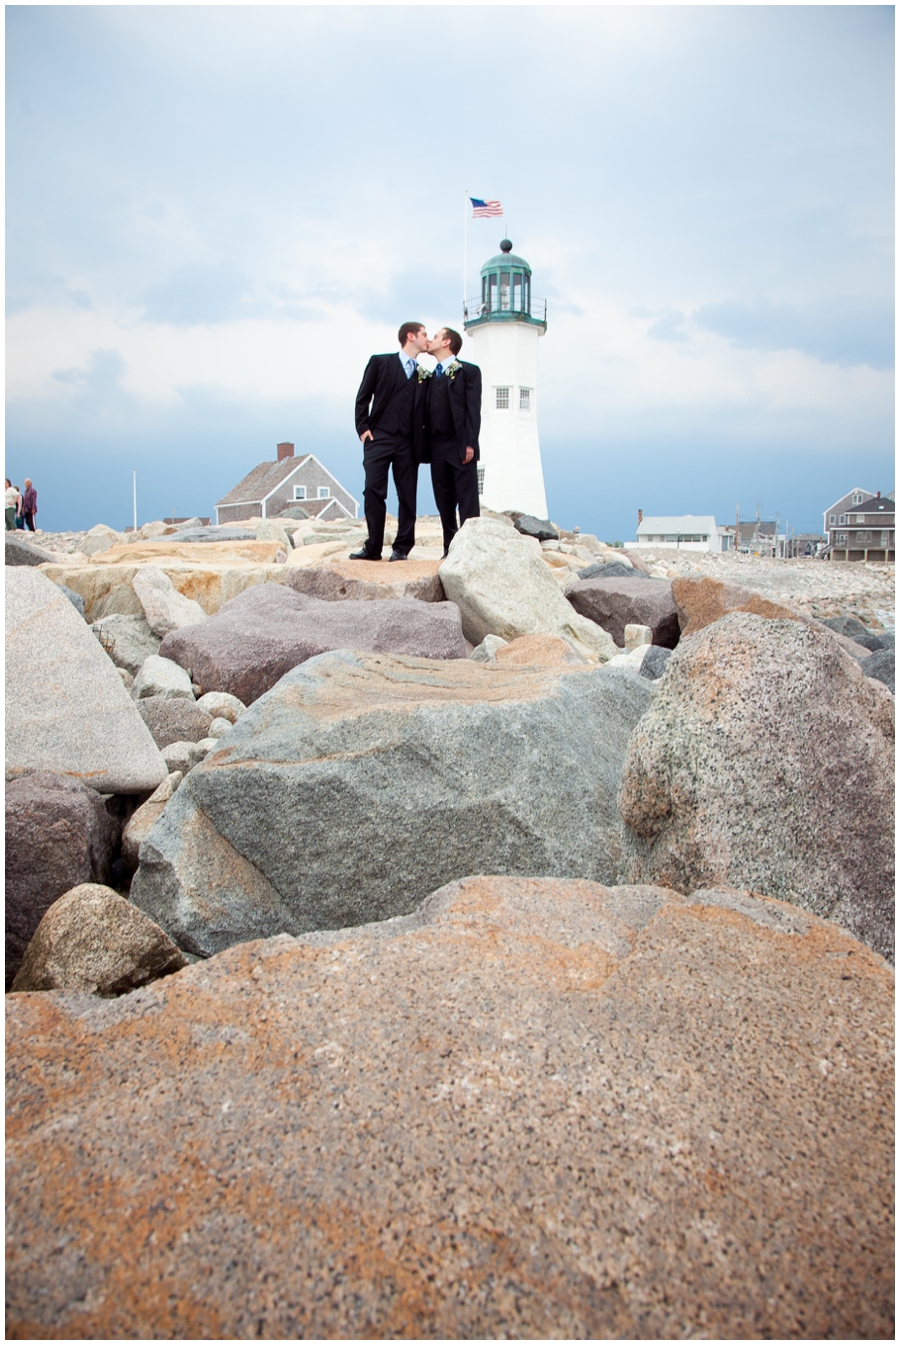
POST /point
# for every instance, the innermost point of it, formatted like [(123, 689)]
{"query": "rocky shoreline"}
[(488, 946)]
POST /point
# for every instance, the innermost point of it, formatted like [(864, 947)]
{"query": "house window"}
[(860, 518), (502, 399), (857, 498), (841, 537), (524, 399), (480, 480), (843, 519), (299, 492), (832, 518), (324, 493)]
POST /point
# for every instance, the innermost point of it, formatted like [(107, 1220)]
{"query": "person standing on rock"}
[(12, 497), (390, 409), (454, 424), (20, 517), (29, 504)]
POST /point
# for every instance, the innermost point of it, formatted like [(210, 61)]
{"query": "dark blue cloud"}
[(837, 331)]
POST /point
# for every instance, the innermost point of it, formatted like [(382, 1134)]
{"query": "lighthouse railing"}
[(476, 308)]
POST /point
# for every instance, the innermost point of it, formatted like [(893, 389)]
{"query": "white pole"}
[(134, 496), (465, 250)]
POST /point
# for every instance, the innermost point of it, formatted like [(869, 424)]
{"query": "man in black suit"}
[(453, 419), (390, 413)]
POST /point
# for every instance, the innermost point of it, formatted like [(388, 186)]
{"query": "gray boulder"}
[(655, 662), (160, 677), (74, 598), (144, 819), (630, 601), (133, 640), (58, 834), (849, 626), (20, 552), (541, 528), (362, 782), (66, 707), (293, 511), (164, 607), (766, 761), (174, 719), (95, 942), (502, 586), (182, 757), (220, 705), (886, 639), (255, 638), (881, 666), (213, 534), (610, 569)]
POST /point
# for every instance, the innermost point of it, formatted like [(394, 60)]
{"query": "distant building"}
[(273, 487), (683, 532), (860, 526)]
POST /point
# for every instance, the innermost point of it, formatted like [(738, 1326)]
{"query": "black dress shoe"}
[(399, 555), (363, 555)]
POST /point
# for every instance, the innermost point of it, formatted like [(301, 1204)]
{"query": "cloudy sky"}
[(215, 214)]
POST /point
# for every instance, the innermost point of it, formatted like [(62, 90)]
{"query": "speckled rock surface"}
[(20, 552), (67, 709), (260, 635), (161, 679), (361, 783), (133, 640), (174, 720), (164, 607), (615, 603), (536, 650), (94, 941), (766, 760), (502, 586), (537, 1109), (337, 579), (58, 834)]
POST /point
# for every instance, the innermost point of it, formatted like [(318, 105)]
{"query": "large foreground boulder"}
[(58, 834), (94, 941), (67, 709), (342, 579), (260, 635), (361, 783), (766, 760), (537, 1109), (500, 583), (617, 602)]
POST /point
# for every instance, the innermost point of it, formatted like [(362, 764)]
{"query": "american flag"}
[(485, 209)]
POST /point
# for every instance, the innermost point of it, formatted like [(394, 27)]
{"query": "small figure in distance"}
[(29, 504), (454, 423), (389, 415), (12, 495), (20, 516)]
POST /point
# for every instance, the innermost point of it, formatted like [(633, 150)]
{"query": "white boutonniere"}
[(423, 373), (453, 369)]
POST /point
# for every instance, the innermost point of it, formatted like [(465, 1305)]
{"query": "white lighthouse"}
[(504, 326)]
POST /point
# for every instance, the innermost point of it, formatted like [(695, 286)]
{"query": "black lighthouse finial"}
[(506, 246)]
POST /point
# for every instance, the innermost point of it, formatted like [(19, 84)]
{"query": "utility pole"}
[(134, 497), (737, 527)]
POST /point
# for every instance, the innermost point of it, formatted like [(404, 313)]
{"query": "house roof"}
[(678, 523), (874, 505), (854, 490), (256, 485)]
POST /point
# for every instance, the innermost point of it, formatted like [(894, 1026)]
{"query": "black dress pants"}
[(390, 451), (453, 484)]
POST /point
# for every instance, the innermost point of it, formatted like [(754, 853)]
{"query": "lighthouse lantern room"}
[(504, 325)]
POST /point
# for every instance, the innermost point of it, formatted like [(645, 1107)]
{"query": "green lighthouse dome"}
[(506, 292)]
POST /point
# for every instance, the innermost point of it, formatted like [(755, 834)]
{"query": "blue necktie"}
[(410, 365), (439, 371)]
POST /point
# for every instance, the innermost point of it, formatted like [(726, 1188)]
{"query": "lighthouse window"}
[(524, 399), (517, 293), (504, 291), (502, 399)]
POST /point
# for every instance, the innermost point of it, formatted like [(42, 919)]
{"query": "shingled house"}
[(860, 526), (275, 486)]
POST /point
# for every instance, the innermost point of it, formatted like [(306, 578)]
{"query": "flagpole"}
[(465, 251)]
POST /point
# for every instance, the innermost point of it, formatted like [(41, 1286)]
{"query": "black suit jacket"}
[(383, 377), (465, 404)]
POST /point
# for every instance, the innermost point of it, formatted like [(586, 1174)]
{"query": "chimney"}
[(285, 451), (878, 495), (640, 516)]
